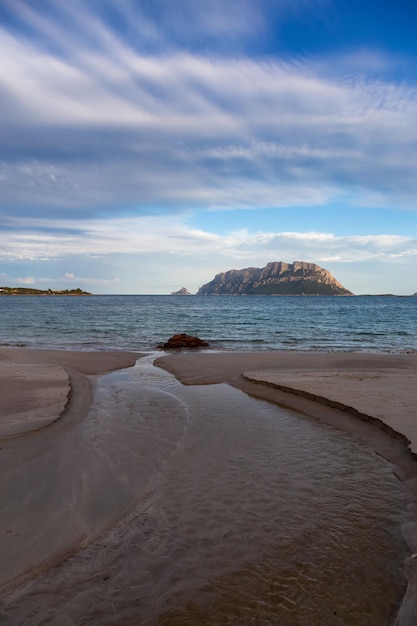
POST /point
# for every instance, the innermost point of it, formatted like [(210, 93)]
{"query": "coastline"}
[(298, 380)]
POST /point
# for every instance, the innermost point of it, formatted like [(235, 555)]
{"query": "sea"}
[(225, 509), (322, 323)]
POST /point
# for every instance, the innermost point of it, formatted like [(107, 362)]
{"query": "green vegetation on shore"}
[(29, 291)]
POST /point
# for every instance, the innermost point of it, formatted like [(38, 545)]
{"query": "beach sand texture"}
[(41, 389), (31, 397), (37, 388), (35, 385)]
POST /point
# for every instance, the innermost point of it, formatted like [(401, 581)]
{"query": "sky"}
[(147, 145)]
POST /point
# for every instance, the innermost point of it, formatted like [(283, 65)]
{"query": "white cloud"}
[(160, 254), (27, 280), (109, 127), (70, 277), (162, 235)]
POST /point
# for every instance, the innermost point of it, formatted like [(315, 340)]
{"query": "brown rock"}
[(177, 342)]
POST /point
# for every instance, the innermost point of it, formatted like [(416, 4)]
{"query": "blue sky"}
[(146, 145)]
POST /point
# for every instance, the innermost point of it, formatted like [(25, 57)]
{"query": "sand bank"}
[(77, 360), (35, 385), (381, 386), (44, 394)]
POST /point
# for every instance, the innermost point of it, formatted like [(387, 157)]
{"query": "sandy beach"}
[(35, 385), (43, 394)]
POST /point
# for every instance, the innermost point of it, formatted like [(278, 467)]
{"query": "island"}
[(276, 279), (29, 291), (181, 292)]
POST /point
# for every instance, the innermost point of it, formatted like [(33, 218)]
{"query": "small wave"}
[(363, 333), (245, 341), (291, 341)]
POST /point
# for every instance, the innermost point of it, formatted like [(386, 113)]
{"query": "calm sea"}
[(370, 323)]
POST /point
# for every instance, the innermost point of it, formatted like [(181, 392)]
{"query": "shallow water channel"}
[(225, 510)]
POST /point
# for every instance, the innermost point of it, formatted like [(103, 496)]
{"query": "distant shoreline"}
[(17, 291), (27, 291)]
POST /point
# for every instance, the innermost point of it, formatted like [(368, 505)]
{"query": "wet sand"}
[(35, 385), (378, 387), (53, 389), (359, 393), (44, 394)]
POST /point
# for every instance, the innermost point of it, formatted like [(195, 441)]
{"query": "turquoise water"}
[(361, 323)]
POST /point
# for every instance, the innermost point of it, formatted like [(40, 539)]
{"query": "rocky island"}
[(181, 292), (276, 279)]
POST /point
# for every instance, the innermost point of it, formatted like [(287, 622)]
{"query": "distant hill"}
[(29, 291), (276, 278)]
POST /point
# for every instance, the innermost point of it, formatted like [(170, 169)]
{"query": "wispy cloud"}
[(161, 235), (111, 128), (71, 278), (121, 123), (26, 280)]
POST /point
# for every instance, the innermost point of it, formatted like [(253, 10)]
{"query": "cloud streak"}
[(100, 130), (159, 235)]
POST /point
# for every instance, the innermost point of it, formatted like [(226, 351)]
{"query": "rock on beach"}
[(177, 342)]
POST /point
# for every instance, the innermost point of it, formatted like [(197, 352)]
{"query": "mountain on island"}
[(276, 279)]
